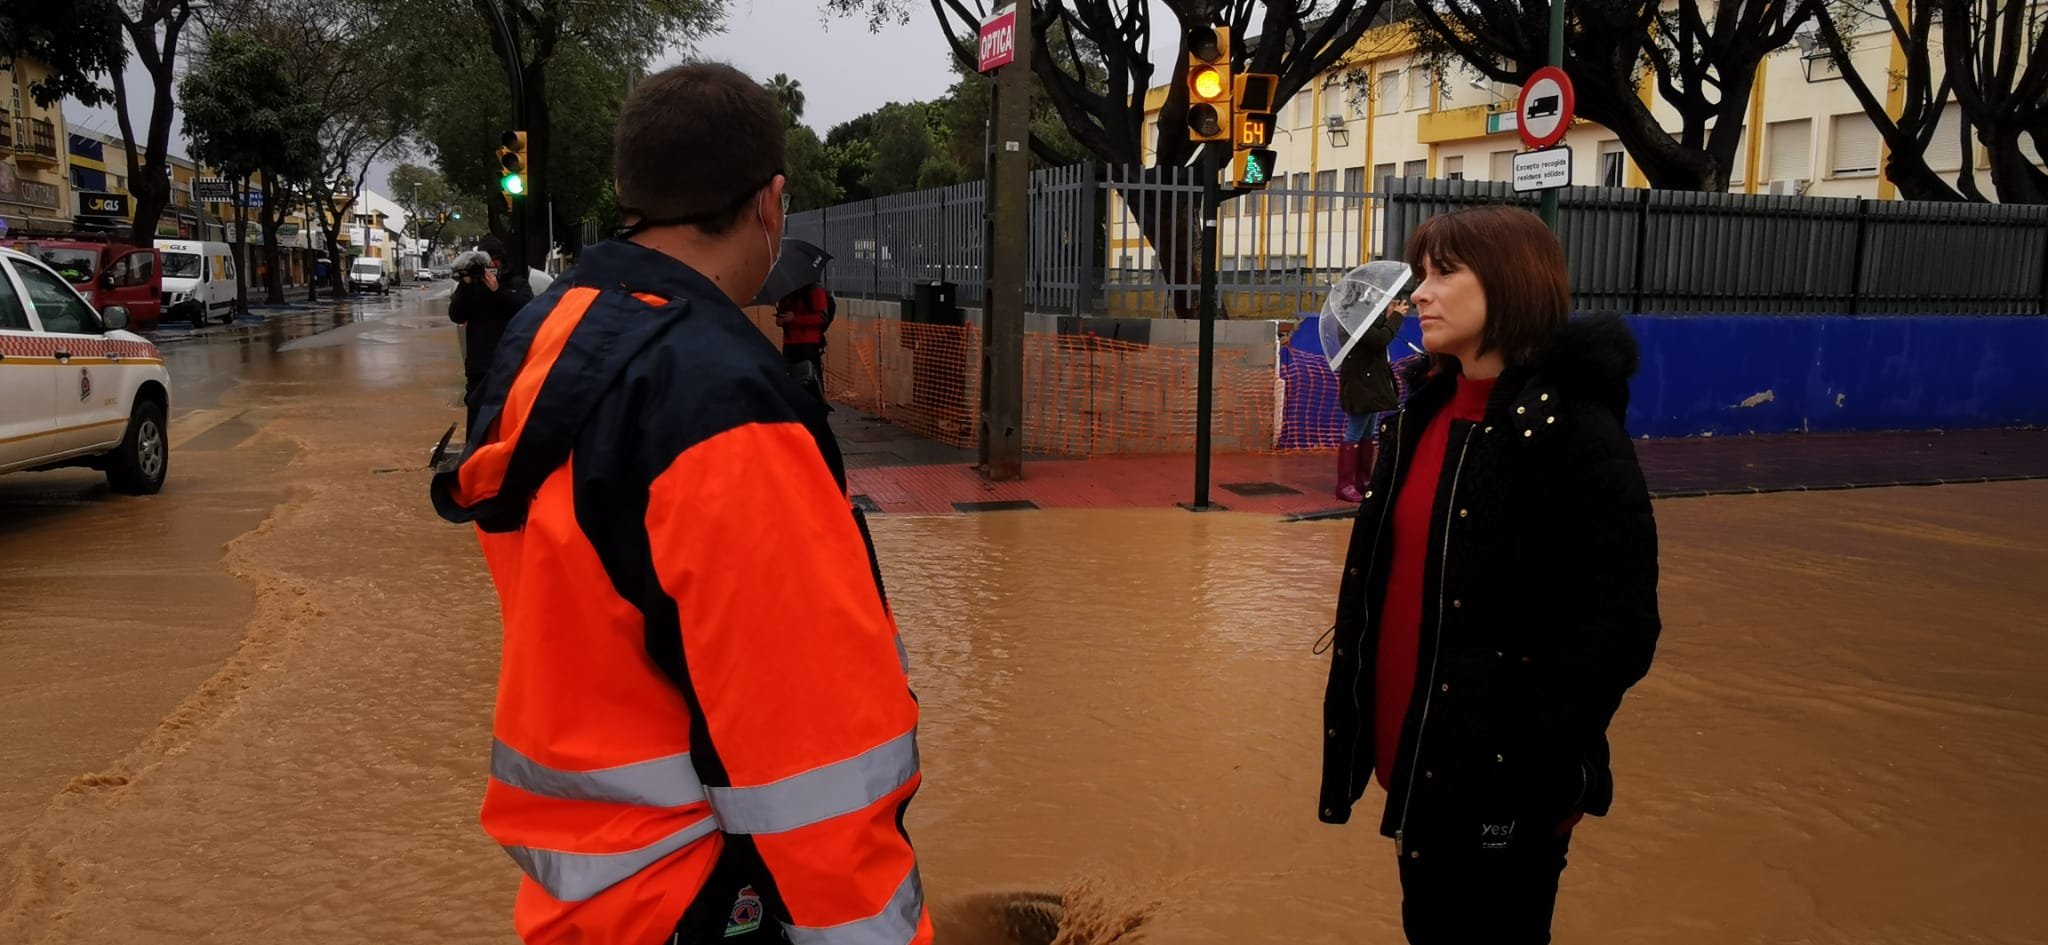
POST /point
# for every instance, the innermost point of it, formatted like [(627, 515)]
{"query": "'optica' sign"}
[(999, 39)]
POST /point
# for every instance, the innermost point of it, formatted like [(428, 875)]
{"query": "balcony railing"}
[(37, 141)]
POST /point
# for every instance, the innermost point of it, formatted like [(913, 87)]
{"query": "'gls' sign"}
[(93, 204), (999, 39)]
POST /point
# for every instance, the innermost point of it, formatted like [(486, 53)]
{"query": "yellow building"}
[(34, 184), (1381, 113)]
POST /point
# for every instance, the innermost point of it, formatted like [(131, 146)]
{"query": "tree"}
[(154, 29), (812, 176), (790, 93), (77, 40), (1924, 96), (903, 146), (1094, 60), (538, 32), (463, 118), (1988, 57), (1703, 60), (440, 216), (1997, 57), (363, 64), (246, 116), (965, 110)]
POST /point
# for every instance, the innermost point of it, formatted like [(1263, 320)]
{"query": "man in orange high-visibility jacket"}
[(704, 728)]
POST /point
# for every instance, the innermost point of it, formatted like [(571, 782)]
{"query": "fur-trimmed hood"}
[(1592, 356)]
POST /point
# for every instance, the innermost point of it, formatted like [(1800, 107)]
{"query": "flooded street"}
[(256, 708)]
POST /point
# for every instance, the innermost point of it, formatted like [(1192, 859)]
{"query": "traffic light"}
[(444, 219), (1253, 168), (1253, 109), (512, 164), (1209, 84)]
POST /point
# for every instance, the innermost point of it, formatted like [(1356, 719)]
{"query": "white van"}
[(368, 274), (199, 281)]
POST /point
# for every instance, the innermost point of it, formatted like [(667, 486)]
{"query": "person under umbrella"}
[(803, 309)]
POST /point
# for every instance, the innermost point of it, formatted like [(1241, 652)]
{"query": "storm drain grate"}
[(1005, 505), (1259, 488)]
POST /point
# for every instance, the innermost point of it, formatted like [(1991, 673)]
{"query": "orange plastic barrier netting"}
[(1083, 395)]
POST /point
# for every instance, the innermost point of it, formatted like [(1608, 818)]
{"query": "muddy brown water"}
[(268, 721)]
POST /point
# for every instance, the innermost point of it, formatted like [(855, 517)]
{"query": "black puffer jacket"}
[(487, 313), (1539, 604), (1365, 381)]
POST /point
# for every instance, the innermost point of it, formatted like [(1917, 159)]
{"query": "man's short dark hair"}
[(491, 244), (693, 144)]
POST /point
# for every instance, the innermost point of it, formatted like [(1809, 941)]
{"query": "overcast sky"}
[(845, 70)]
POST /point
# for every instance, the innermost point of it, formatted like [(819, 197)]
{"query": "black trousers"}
[(472, 384), (1483, 897)]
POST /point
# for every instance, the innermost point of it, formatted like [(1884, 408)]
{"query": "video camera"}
[(469, 267)]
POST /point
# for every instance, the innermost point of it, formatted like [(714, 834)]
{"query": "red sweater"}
[(1401, 613)]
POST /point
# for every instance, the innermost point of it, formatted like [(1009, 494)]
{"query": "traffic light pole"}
[(508, 55), (1549, 207), (1205, 356)]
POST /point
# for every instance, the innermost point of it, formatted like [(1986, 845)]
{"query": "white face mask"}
[(774, 245)]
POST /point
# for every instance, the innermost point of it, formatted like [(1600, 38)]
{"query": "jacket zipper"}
[(1372, 559), (1436, 648)]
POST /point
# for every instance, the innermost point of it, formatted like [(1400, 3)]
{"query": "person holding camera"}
[(486, 307)]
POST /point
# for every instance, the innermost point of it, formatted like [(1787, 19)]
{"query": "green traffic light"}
[(1253, 172), (513, 184), (457, 215)]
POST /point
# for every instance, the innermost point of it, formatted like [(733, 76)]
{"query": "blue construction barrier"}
[(1725, 375)]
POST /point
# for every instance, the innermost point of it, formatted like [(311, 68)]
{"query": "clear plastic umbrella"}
[(1356, 302)]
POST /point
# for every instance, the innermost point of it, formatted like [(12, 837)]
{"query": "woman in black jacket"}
[(1500, 593)]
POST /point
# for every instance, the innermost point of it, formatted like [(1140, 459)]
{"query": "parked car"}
[(106, 273), (199, 281), (76, 387), (427, 275)]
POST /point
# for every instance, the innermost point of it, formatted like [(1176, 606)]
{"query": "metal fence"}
[(1662, 251), (882, 247), (1121, 241)]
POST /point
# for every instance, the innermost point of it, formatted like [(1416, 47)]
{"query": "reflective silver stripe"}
[(574, 877), (819, 794), (668, 781), (896, 924), (902, 655)]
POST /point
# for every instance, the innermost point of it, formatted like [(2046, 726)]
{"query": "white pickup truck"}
[(77, 388)]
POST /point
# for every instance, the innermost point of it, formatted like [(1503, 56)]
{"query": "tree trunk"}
[(2016, 177)]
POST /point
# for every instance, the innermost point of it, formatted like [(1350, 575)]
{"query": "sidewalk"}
[(892, 470)]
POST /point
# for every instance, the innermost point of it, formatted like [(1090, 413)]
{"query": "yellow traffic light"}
[(1254, 108), (1209, 84), (512, 163)]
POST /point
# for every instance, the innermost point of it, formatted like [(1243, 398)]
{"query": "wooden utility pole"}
[(1006, 245)]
